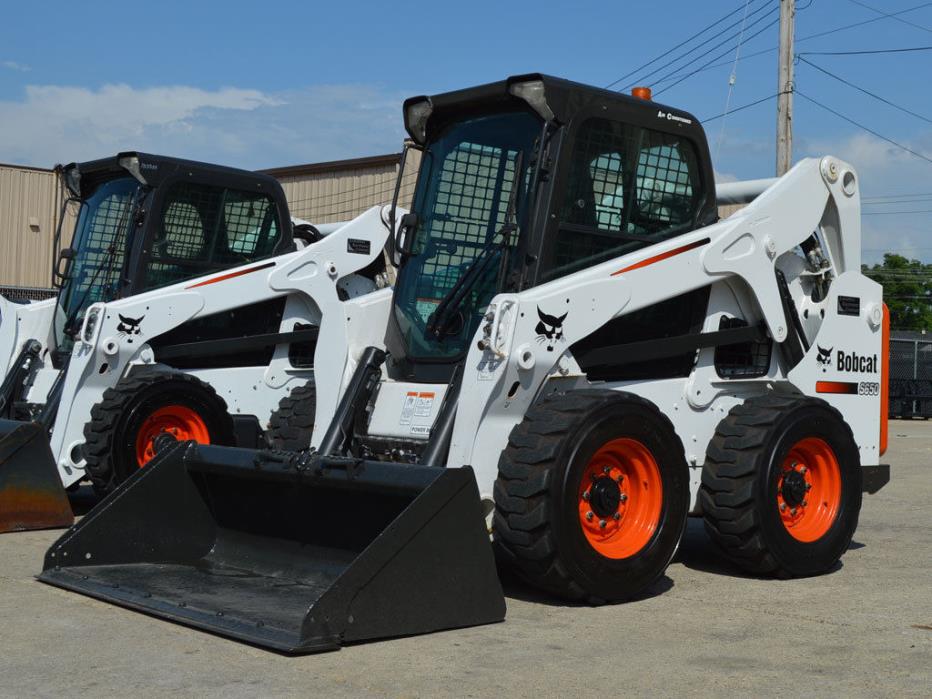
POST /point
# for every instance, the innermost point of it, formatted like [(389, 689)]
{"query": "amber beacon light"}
[(642, 93)]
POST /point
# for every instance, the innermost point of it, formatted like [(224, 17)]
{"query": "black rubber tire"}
[(110, 435), (292, 423), (738, 495), (536, 522)]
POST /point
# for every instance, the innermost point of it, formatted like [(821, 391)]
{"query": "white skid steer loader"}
[(578, 354), (180, 315)]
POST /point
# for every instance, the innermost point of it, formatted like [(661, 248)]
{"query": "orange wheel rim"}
[(809, 489), (620, 498), (180, 421)]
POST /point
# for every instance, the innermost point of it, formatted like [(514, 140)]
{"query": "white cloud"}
[(884, 169), (13, 65), (231, 126)]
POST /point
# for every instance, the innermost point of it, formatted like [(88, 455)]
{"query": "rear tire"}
[(554, 470), (119, 437), (781, 486), (292, 424)]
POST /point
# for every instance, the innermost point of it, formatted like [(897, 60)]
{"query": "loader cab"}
[(523, 182), (147, 221)]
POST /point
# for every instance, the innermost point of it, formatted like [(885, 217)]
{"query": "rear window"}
[(628, 187), (206, 228)]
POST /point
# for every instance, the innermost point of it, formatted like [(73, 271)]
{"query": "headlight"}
[(73, 181), (416, 116), (130, 163), (90, 323), (533, 92)]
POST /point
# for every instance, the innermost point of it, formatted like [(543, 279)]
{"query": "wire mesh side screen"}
[(472, 197), (628, 187), (207, 228)]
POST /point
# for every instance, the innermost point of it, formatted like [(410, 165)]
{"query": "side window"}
[(251, 226), (628, 187), (188, 225), (206, 228)]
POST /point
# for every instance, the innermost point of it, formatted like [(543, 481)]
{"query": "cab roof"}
[(564, 98)]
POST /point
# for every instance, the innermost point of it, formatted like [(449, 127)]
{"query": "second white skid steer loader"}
[(577, 349), (189, 307)]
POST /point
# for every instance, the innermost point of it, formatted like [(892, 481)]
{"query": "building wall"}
[(341, 190), (30, 203)]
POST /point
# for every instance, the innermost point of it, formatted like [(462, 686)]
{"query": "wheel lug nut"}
[(616, 516), (793, 511), (605, 469), (602, 524), (805, 503), (808, 486), (619, 479), (589, 516), (585, 496), (623, 497), (782, 507), (803, 469)]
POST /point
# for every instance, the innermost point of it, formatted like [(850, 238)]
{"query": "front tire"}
[(124, 426), (781, 486), (592, 496)]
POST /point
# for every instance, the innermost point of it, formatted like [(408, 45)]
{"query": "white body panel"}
[(22, 322), (309, 278)]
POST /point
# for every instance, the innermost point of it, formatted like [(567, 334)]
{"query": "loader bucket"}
[(31, 492), (295, 556)]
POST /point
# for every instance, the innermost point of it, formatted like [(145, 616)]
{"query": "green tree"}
[(907, 291)]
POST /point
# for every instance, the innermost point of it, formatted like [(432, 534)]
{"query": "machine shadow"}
[(82, 500), (516, 589), (698, 552)]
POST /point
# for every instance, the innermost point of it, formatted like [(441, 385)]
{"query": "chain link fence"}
[(25, 294), (910, 377)]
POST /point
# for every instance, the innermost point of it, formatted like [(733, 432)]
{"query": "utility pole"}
[(785, 87)]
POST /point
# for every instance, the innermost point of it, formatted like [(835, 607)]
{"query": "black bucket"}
[(31, 492), (295, 553)]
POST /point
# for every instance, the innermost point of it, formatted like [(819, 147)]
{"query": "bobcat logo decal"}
[(550, 328), (825, 357), (129, 327)]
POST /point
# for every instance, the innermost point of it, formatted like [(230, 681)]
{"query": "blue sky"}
[(275, 83)]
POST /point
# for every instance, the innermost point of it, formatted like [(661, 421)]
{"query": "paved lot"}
[(864, 630)]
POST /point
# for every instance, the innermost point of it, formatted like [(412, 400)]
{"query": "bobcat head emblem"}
[(825, 357), (550, 328), (129, 327)]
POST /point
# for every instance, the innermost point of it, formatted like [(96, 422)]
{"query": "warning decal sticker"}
[(407, 409)]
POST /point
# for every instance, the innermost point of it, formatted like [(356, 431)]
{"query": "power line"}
[(888, 202), (700, 68), (679, 45), (741, 108), (895, 213), (865, 91), (817, 35), (866, 52), (669, 63), (732, 79), (892, 15), (865, 128), (897, 196), (898, 19)]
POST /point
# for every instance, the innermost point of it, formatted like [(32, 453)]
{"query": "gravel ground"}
[(863, 630)]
